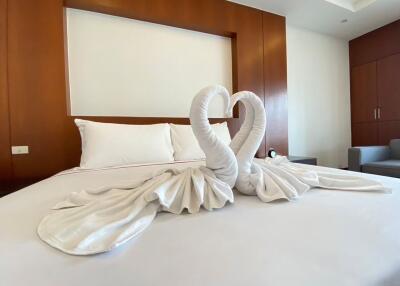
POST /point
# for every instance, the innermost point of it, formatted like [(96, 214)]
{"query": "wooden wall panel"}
[(275, 78), (204, 16), (364, 134), (249, 56), (38, 88), (375, 45), (5, 145), (388, 74), (388, 130), (364, 99)]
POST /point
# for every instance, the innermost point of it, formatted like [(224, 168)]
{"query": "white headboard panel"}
[(123, 67)]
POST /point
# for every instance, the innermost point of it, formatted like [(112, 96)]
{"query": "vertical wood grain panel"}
[(364, 134), (388, 74), (5, 146), (388, 130), (364, 100), (380, 43), (37, 86), (275, 82), (249, 56)]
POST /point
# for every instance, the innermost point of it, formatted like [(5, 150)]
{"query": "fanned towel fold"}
[(91, 222), (281, 179)]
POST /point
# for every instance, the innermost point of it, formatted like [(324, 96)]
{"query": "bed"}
[(326, 238)]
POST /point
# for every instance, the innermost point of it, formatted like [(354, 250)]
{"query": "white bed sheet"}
[(325, 238)]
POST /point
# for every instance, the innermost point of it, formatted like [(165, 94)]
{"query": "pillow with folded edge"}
[(109, 145), (185, 143)]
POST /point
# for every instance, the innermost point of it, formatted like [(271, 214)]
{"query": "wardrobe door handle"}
[(379, 113), (375, 113)]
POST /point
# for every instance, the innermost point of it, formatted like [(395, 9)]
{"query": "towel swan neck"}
[(248, 139), (219, 157)]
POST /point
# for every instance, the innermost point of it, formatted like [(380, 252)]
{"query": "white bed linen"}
[(326, 238)]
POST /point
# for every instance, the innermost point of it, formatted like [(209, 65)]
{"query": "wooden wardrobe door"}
[(364, 134), (388, 130), (389, 88), (363, 93)]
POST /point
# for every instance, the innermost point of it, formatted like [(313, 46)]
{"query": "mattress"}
[(325, 238)]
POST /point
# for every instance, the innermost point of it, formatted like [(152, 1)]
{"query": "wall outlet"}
[(18, 150)]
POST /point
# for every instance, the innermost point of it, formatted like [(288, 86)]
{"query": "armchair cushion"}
[(387, 168), (395, 149), (359, 156)]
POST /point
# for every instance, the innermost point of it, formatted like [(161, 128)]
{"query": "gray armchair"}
[(380, 160)]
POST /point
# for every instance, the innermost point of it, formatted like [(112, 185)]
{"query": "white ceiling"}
[(326, 16), (352, 5)]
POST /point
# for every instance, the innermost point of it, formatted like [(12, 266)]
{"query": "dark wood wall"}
[(5, 154), (33, 94), (375, 45), (375, 86), (275, 83)]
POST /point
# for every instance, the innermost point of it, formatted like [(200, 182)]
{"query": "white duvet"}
[(327, 238)]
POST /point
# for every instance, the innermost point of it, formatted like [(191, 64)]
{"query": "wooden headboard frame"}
[(132, 13), (37, 88)]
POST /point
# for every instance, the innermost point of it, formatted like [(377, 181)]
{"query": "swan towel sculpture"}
[(278, 178), (95, 221)]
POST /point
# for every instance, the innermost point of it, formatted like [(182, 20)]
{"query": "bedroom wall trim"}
[(39, 112)]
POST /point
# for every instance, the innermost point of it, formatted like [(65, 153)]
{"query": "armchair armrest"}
[(362, 155)]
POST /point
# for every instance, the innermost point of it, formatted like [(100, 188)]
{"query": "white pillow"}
[(108, 145), (185, 143)]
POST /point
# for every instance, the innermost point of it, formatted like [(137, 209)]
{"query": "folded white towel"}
[(278, 178), (96, 221)]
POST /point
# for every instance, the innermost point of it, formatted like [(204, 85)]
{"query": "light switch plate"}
[(18, 150)]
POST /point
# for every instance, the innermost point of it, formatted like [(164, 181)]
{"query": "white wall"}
[(319, 96), (123, 67)]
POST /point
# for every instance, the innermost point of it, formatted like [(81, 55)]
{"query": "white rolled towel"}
[(278, 178), (95, 221)]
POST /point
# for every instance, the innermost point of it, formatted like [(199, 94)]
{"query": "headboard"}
[(37, 81)]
